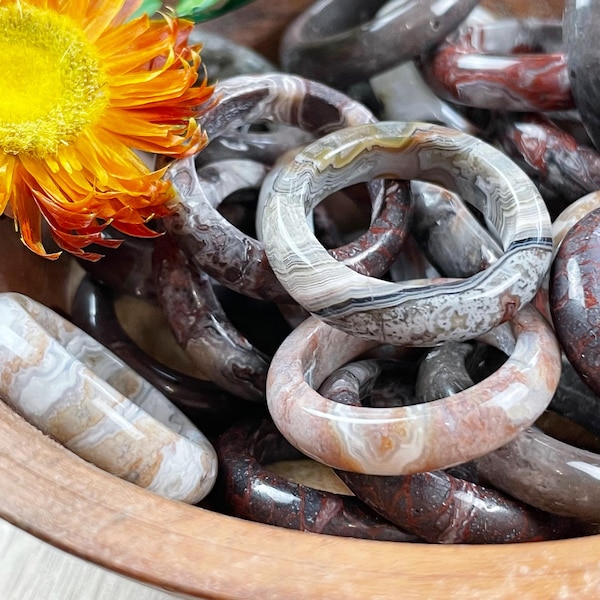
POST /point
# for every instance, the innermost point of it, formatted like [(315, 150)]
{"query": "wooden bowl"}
[(51, 493)]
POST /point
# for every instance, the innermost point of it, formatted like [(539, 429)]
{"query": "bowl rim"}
[(69, 503)]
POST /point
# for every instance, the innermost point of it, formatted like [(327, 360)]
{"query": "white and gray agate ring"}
[(75, 390), (418, 312)]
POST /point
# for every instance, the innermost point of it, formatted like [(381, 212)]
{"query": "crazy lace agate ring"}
[(499, 66), (238, 260), (419, 313), (408, 439), (75, 390)]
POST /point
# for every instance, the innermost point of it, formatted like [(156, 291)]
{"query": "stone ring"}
[(510, 64), (237, 260), (342, 42), (74, 389), (413, 312), (247, 489), (407, 440)]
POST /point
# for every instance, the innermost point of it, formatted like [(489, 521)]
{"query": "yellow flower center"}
[(51, 81)]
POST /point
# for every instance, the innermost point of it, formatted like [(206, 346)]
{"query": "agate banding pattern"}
[(408, 313), (487, 65), (237, 260), (406, 440), (552, 157), (207, 404), (72, 388)]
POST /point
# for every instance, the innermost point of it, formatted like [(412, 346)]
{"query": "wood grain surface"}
[(82, 510)]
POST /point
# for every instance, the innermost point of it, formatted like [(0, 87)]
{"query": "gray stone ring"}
[(361, 39)]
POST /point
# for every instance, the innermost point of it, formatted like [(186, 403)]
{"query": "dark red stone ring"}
[(563, 168), (510, 64), (247, 489), (575, 297)]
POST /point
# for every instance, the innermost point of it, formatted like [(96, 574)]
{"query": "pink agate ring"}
[(407, 440), (439, 506), (75, 390), (499, 66), (418, 313)]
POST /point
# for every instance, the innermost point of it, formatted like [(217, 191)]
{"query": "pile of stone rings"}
[(427, 284)]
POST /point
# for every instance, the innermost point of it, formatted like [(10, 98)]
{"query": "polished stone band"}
[(207, 404), (484, 66), (406, 440), (574, 294), (227, 254), (551, 156), (417, 312), (341, 42), (72, 388), (248, 489)]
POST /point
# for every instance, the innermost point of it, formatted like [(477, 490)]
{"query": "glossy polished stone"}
[(546, 473), (499, 66), (74, 389), (223, 58), (581, 28), (441, 507), (574, 293), (405, 96), (246, 488), (202, 328), (457, 244), (447, 509), (551, 156), (205, 403), (362, 39), (533, 467), (413, 313), (126, 269), (237, 260), (571, 215), (381, 382), (407, 440), (449, 234)]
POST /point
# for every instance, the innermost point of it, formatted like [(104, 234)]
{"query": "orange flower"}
[(82, 87)]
